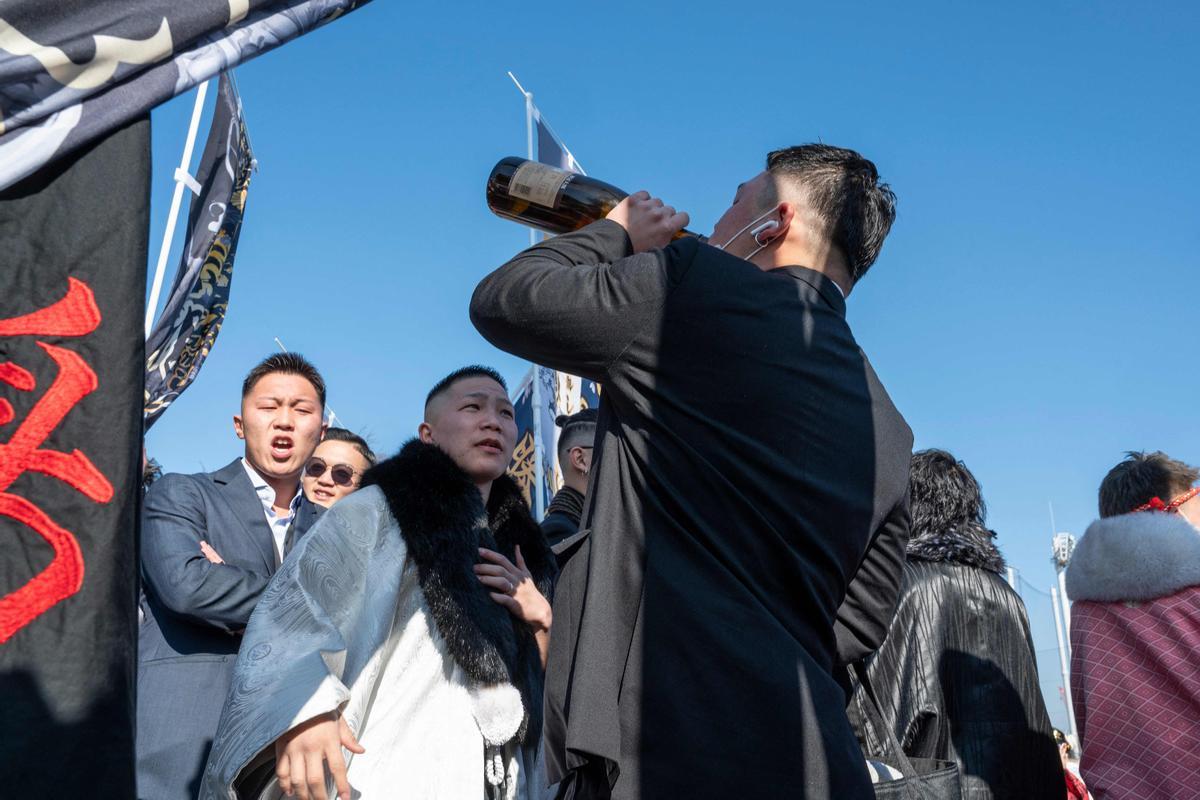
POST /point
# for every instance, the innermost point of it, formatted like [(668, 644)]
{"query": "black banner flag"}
[(185, 333), (73, 70), (73, 240)]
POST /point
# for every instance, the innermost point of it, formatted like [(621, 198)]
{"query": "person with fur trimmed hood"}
[(400, 649), (1134, 580), (957, 677)]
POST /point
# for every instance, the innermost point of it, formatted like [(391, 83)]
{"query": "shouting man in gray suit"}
[(210, 543)]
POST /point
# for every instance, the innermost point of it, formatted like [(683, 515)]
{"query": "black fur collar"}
[(973, 549), (444, 523)]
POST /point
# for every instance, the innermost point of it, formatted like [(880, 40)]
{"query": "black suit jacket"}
[(746, 457), (194, 613)]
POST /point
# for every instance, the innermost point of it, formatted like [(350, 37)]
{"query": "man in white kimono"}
[(400, 648)]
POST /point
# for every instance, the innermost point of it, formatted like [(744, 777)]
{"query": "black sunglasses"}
[(342, 474)]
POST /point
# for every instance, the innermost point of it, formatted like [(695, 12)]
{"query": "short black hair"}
[(360, 444), (462, 373), (1142, 476), (578, 430), (288, 364), (845, 191)]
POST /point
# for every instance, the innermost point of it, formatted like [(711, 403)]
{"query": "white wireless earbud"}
[(769, 225)]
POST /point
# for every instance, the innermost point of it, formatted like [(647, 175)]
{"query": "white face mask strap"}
[(749, 225), (753, 252)]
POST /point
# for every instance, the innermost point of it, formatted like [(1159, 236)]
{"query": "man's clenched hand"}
[(649, 223)]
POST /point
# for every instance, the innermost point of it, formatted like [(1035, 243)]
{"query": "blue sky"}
[(1033, 310)]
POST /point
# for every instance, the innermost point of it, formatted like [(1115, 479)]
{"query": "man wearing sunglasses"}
[(210, 543), (400, 650), (336, 467)]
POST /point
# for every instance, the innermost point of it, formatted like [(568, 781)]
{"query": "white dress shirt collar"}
[(266, 495)]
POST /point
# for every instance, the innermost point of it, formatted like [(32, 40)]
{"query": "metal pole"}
[(1063, 547), (529, 147), (539, 444), (1066, 607), (528, 135), (1012, 579), (535, 391), (176, 199), (1062, 658), (539, 450)]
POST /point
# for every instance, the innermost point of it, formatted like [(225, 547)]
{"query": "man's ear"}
[(577, 459), (324, 430), (425, 433), (787, 211), (237, 426)]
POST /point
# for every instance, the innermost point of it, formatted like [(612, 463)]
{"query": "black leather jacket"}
[(958, 681)]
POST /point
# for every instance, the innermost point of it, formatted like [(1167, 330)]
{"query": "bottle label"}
[(538, 183)]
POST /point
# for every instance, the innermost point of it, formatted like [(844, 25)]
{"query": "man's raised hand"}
[(303, 753), (511, 585), (649, 223)]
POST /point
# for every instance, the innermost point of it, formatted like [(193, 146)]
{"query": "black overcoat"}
[(746, 456)]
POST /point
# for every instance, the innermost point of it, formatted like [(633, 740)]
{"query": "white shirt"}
[(266, 495)]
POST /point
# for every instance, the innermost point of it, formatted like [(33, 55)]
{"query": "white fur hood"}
[(1138, 556)]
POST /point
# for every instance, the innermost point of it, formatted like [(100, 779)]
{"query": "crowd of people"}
[(756, 591)]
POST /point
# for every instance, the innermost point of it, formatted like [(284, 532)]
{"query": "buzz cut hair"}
[(462, 373), (286, 364)]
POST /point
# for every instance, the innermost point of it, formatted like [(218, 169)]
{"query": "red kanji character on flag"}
[(75, 315)]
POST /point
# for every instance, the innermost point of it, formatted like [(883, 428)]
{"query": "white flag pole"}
[(535, 392), (539, 455), (529, 147), (182, 179), (528, 135)]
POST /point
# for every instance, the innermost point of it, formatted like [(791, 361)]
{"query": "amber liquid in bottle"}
[(548, 198)]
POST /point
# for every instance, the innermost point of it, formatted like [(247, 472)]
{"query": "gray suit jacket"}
[(194, 614)]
